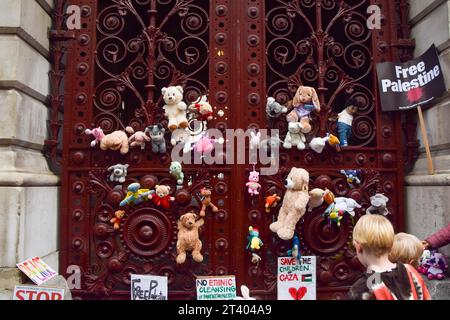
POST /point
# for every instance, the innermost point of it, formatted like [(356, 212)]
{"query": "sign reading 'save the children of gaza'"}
[(405, 86)]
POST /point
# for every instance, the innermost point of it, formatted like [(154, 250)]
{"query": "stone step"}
[(439, 289)]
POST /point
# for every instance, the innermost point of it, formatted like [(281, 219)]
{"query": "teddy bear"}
[(117, 140), (118, 173), (161, 196), (253, 183), (206, 201), (294, 204), (176, 171), (188, 238), (156, 133), (274, 109), (138, 139), (179, 136), (295, 137), (175, 108), (202, 107), (135, 195), (118, 216), (316, 199), (378, 205), (305, 102)]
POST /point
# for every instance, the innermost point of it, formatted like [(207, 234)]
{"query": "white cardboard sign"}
[(37, 293), (296, 281), (216, 288), (147, 287)]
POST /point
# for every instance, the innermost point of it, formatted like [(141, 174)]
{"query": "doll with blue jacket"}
[(345, 122)]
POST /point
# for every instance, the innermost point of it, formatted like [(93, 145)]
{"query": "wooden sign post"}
[(425, 141)]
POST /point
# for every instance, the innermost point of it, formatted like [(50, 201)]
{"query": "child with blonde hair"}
[(407, 249), (373, 239)]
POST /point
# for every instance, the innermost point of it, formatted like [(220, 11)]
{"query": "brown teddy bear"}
[(294, 204), (188, 238), (206, 202), (118, 215), (117, 140), (305, 101)]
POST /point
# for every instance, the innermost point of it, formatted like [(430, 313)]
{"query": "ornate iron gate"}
[(238, 52)]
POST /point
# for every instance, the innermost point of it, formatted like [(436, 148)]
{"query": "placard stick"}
[(425, 141)]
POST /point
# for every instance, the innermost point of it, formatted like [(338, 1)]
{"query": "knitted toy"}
[(135, 195), (116, 141), (118, 215), (272, 201), (203, 107), (352, 176), (138, 139), (161, 197), (255, 140), (305, 102), (318, 144), (295, 252), (253, 183), (188, 238), (316, 199), (206, 202), (274, 109), (254, 242), (294, 205), (156, 133), (176, 171), (345, 121), (378, 205), (175, 108), (433, 265), (295, 136), (118, 173)]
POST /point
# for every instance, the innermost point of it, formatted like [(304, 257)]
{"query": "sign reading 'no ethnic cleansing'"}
[(405, 86)]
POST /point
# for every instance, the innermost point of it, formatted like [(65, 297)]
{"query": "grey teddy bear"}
[(274, 109), (156, 133), (379, 204), (118, 173)]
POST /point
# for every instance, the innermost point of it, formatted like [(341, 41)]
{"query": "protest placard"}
[(216, 288), (37, 293), (37, 270), (148, 287), (296, 279)]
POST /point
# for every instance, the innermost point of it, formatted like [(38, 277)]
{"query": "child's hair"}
[(352, 102), (407, 249), (375, 234)]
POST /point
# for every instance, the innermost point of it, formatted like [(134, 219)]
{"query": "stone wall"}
[(28, 189), (428, 197)]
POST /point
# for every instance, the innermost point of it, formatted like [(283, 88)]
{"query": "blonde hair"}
[(375, 234), (407, 249)]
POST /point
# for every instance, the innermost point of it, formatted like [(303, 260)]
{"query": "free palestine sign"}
[(408, 85)]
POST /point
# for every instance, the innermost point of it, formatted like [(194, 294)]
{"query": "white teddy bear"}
[(295, 137), (175, 108)]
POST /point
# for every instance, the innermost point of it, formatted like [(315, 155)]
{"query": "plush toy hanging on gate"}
[(161, 196), (176, 171), (305, 102), (272, 201), (115, 141), (253, 184), (118, 172), (295, 252), (294, 205), (175, 108), (135, 195), (203, 108), (189, 238), (156, 133), (207, 202), (117, 219)]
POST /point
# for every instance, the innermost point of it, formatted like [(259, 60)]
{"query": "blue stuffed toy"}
[(352, 176), (135, 195), (295, 251)]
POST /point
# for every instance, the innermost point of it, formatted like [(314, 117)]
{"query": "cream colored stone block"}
[(23, 121), (417, 7), (6, 294), (10, 277), (20, 62), (9, 226), (10, 13)]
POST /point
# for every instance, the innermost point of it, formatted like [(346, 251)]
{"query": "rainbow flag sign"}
[(37, 270)]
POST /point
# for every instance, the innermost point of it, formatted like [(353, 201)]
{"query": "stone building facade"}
[(29, 190)]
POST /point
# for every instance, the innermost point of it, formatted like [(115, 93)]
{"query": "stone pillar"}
[(428, 197), (28, 189)]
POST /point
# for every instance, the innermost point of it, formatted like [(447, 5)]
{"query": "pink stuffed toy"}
[(253, 183), (206, 144)]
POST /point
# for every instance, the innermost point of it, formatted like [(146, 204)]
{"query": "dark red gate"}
[(238, 52)]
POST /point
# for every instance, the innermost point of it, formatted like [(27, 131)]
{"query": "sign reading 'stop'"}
[(404, 86)]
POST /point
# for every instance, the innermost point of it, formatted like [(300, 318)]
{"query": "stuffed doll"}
[(255, 140), (272, 201), (274, 109), (295, 136), (295, 252), (334, 215), (156, 133), (206, 144), (118, 173), (175, 108), (253, 183), (254, 242), (352, 176), (316, 199), (345, 122), (318, 144), (179, 136), (434, 265), (116, 141), (305, 102), (116, 221), (138, 139), (160, 197), (176, 171), (378, 205), (188, 238), (294, 205), (203, 108), (135, 195), (206, 202), (347, 205)]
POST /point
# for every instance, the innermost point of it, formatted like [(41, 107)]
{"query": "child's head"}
[(407, 249), (373, 237), (352, 106)]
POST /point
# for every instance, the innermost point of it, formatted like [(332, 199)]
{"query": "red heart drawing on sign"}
[(298, 294)]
